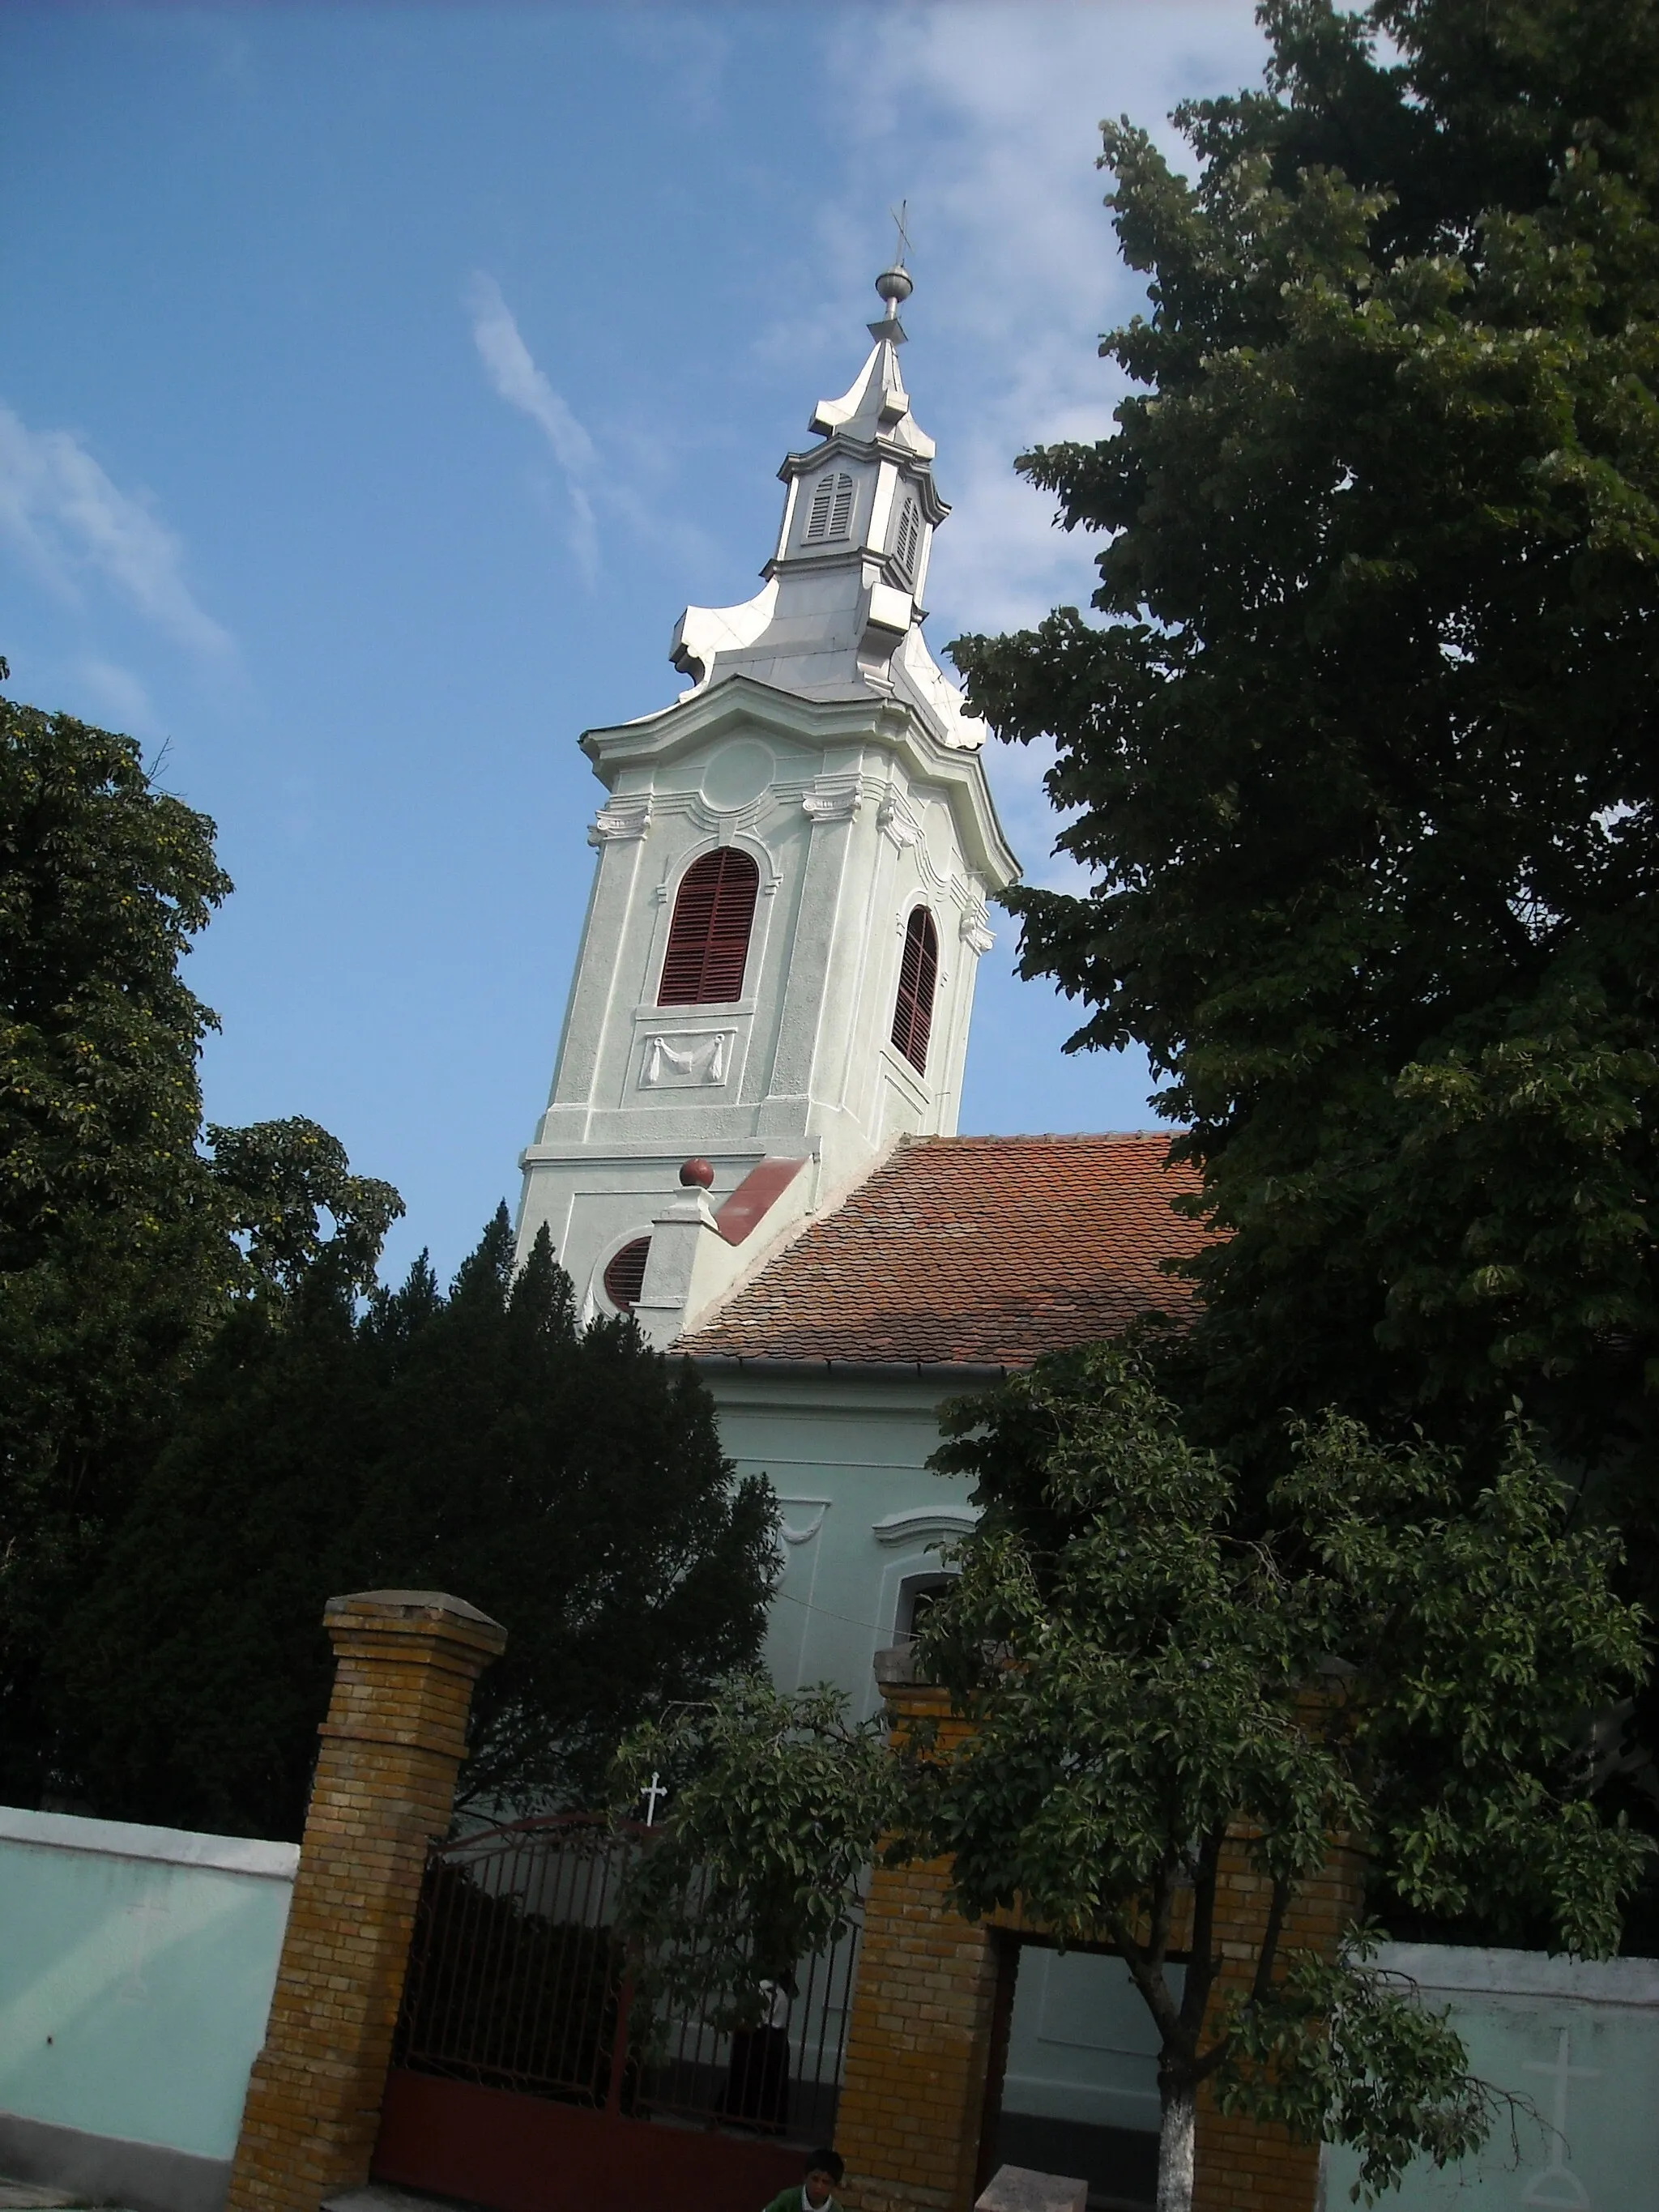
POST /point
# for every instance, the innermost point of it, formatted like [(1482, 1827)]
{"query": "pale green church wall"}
[(1579, 2043), (136, 1974), (862, 1516)]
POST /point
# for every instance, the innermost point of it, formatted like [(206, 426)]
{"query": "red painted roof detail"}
[(974, 1249), (755, 1197)]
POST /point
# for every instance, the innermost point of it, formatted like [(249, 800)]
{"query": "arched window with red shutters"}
[(913, 1016), (708, 937)]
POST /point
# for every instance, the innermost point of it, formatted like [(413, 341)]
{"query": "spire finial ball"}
[(696, 1173), (894, 285)]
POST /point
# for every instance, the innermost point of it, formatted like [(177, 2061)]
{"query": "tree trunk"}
[(1175, 2148)]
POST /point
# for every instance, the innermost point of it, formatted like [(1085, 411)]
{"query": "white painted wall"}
[(856, 812)]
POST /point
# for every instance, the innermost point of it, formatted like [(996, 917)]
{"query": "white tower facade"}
[(788, 906)]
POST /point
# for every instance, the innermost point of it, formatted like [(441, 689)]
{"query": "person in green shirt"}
[(824, 2169)]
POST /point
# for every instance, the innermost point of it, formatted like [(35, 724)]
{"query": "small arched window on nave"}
[(830, 514), (708, 937), (913, 1014)]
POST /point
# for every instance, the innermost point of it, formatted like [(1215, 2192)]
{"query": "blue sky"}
[(377, 385)]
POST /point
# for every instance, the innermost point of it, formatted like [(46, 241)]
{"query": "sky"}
[(378, 384)]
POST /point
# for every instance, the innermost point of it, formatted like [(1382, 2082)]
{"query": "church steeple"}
[(789, 903), (842, 610), (878, 401)]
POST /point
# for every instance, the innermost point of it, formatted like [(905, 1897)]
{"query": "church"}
[(751, 1141)]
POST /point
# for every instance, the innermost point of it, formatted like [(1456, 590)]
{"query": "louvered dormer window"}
[(830, 514), (913, 1016), (708, 937), (624, 1274), (908, 537)]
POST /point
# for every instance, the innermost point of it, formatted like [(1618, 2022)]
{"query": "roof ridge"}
[(1049, 1136)]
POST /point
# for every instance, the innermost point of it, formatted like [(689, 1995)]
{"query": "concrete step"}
[(380, 2196)]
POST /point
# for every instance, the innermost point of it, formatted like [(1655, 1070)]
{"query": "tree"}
[(569, 1481), (124, 1243), (778, 1801), (104, 881), (1360, 750), (1146, 1666), (104, 1200), (1146, 1670)]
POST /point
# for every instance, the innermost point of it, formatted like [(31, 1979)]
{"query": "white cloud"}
[(65, 517), (511, 369), (685, 46), (116, 698), (987, 119), (999, 109)]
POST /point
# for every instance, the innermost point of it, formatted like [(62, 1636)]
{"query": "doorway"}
[(1079, 2078)]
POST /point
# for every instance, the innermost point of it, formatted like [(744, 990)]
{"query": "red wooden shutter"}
[(624, 1274), (913, 1016), (708, 937)]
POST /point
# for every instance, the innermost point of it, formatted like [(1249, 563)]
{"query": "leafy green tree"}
[(104, 881), (1146, 1667), (1359, 748), (275, 1185), (777, 1800), (123, 1243), (104, 1200), (1146, 1670), (569, 1481)]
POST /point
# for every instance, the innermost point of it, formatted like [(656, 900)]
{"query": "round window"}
[(624, 1274)]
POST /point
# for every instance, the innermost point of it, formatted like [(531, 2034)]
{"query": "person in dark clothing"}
[(758, 2073)]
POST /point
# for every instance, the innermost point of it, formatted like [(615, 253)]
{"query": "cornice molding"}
[(740, 701), (925, 1521)]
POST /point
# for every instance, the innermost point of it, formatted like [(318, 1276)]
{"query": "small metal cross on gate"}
[(654, 1797)]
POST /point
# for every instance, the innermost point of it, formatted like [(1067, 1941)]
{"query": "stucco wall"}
[(1580, 2043), (861, 1514), (136, 1974)]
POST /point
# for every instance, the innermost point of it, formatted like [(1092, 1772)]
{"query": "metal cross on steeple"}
[(894, 284)]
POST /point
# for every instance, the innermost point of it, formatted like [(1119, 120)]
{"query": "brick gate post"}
[(918, 2042), (405, 1663), (919, 2045), (1249, 2166)]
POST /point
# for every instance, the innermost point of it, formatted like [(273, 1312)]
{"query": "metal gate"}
[(531, 2074)]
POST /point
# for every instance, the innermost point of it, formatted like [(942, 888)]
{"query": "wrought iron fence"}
[(518, 1979)]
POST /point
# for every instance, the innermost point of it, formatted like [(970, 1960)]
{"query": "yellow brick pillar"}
[(922, 2044), (1242, 2164), (918, 2042), (405, 1664)]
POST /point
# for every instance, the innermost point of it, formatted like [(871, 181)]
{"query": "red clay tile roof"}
[(972, 1250)]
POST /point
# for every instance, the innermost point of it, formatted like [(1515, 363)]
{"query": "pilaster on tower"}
[(789, 902)]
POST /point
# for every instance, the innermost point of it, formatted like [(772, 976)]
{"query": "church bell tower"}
[(789, 900)]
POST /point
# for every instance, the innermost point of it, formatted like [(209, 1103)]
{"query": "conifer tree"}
[(568, 1481)]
